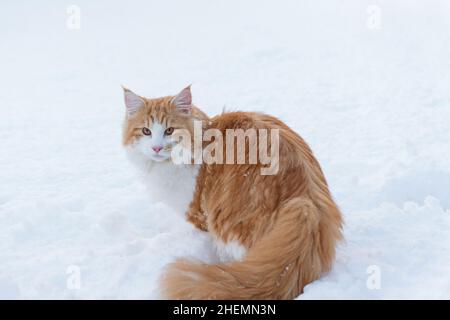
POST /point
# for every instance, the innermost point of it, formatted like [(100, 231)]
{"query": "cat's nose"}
[(157, 149)]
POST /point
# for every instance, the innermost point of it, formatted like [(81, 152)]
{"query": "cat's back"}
[(289, 141), (246, 120), (293, 155)]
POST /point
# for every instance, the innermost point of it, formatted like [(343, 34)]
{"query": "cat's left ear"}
[(183, 100)]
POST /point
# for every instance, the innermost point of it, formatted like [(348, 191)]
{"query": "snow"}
[(372, 102)]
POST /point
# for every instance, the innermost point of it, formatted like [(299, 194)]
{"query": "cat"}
[(274, 233)]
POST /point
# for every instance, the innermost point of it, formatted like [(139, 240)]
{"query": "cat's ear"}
[(183, 100), (133, 102)]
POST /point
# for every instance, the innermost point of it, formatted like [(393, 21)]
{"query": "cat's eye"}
[(146, 131), (169, 131)]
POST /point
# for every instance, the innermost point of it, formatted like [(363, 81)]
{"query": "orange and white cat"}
[(274, 233)]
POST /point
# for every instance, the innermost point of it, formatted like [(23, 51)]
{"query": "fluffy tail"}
[(295, 252)]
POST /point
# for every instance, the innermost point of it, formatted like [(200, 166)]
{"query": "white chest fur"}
[(171, 184), (174, 185)]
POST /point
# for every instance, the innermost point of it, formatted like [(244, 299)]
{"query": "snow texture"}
[(371, 96)]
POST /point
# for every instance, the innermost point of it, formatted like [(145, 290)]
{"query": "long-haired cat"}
[(274, 233)]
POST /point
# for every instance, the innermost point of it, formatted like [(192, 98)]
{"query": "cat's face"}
[(151, 125)]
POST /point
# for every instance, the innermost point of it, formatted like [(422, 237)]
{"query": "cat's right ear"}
[(133, 102)]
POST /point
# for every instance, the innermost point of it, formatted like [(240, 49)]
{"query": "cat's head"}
[(151, 125)]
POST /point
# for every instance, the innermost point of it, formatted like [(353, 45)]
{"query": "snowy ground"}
[(374, 104)]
